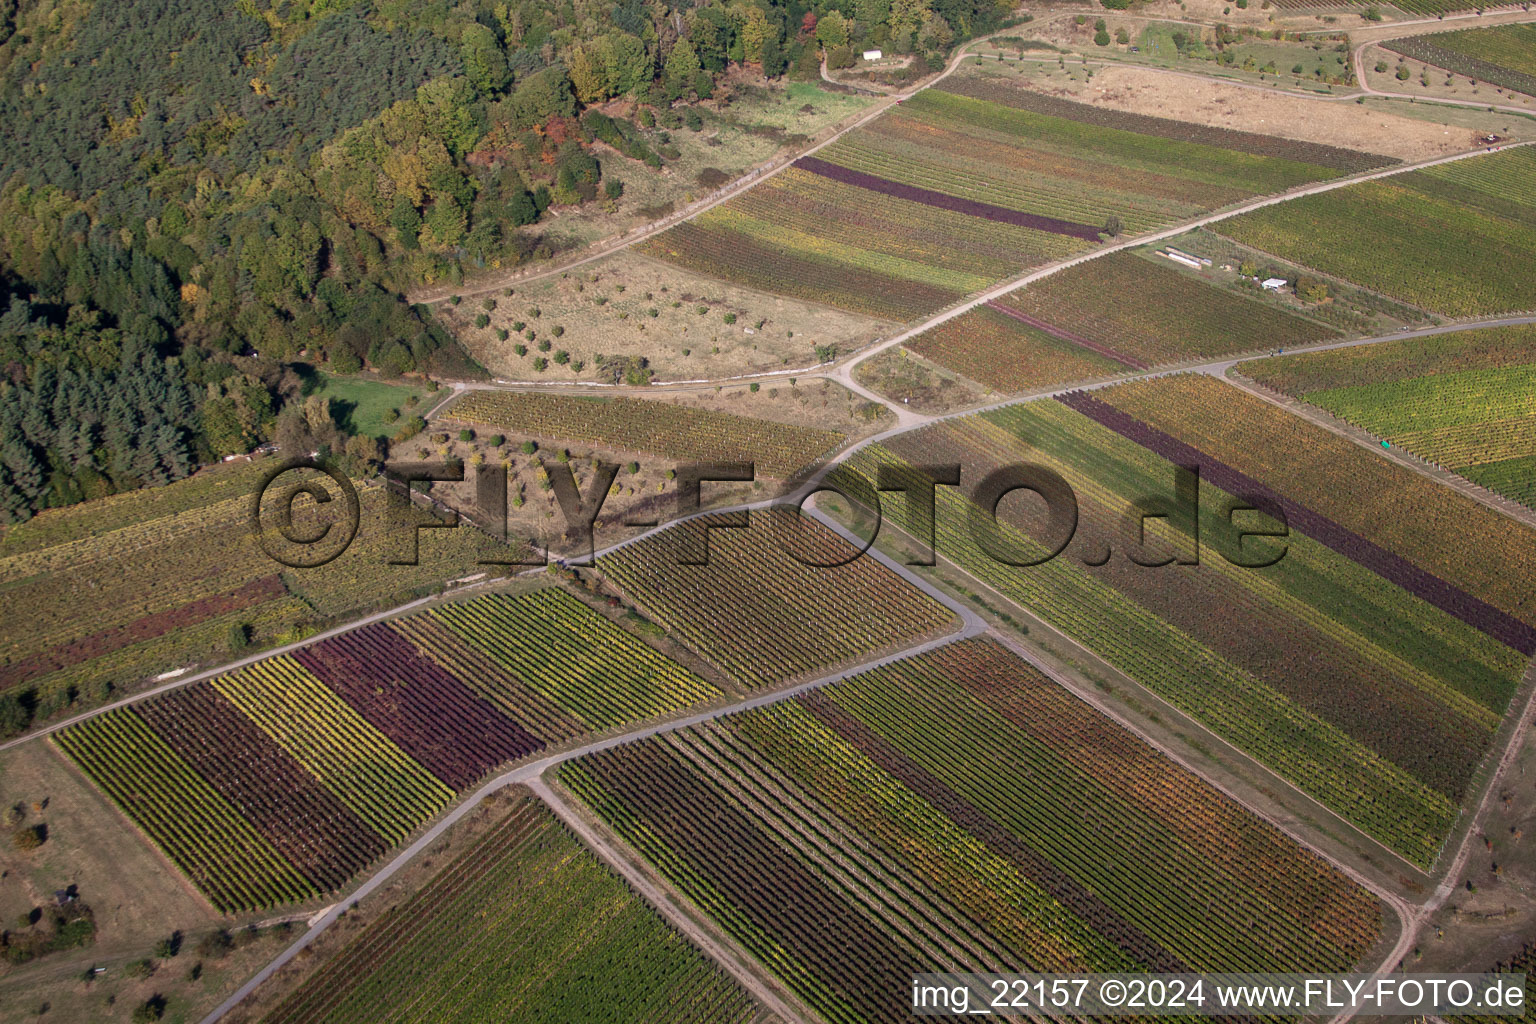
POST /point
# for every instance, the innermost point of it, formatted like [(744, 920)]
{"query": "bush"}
[(482, 321), (540, 364), (557, 330), (520, 349), (152, 1009), (215, 945), (466, 435), (239, 637), (730, 318), (562, 357), (1311, 289), (544, 345), (410, 428), (529, 447), (30, 837), (496, 440)]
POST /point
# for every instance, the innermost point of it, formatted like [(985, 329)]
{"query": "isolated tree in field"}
[(1112, 226)]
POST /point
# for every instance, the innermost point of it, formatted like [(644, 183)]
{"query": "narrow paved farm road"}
[(970, 624), (844, 372), (1359, 60), (1404, 910), (1458, 863), (714, 943)]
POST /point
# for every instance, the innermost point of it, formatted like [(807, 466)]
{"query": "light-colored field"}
[(1143, 91), (925, 387), (136, 898), (752, 125), (606, 309)]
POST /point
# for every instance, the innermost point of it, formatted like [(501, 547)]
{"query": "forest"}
[(197, 200)]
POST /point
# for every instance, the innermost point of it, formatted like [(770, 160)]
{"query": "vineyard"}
[(282, 780), (1463, 401), (1454, 239), (524, 925), (1106, 316), (1504, 56), (158, 579), (1295, 663), (947, 193), (655, 428), (761, 614), (889, 809), (1006, 354), (1420, 8)]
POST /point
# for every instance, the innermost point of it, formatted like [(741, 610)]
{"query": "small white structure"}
[(873, 55), (1272, 284)]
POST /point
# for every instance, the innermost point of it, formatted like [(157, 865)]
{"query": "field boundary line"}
[(667, 902), (969, 624), (1399, 905), (845, 370), (1405, 457)]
